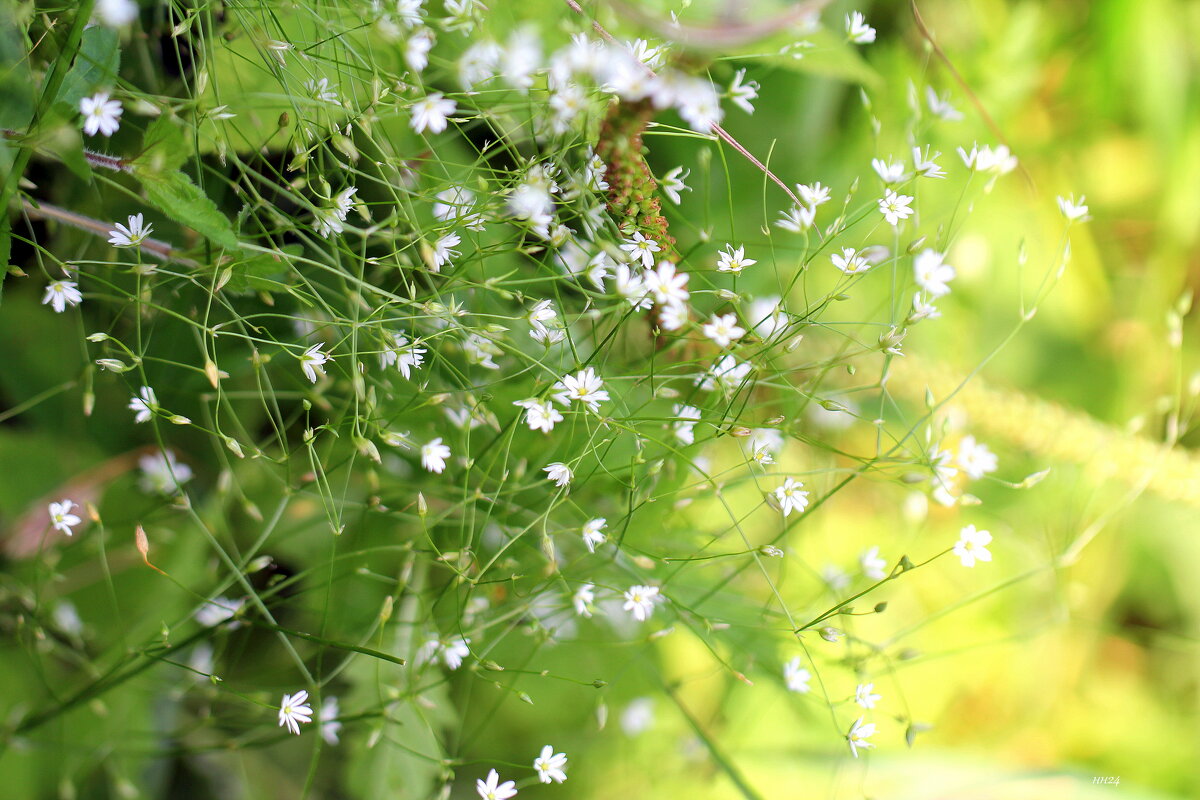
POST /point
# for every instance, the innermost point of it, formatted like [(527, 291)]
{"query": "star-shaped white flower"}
[(895, 207), (131, 236), (492, 789), (100, 114), (313, 361), (791, 496), (434, 455), (61, 517), (592, 533), (549, 766), (733, 259), (430, 113), (858, 735), (294, 710), (60, 294), (639, 601), (971, 546)]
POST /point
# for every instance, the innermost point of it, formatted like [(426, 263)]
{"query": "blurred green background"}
[(1064, 674)]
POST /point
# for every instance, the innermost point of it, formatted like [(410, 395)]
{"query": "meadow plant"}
[(450, 393)]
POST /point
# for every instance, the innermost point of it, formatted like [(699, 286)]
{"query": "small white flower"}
[(330, 726), (583, 599), (100, 114), (814, 194), (319, 90), (162, 474), (142, 404), (932, 273), (430, 113), (683, 428), (766, 317), (61, 517), (60, 294), (925, 165), (639, 248), (457, 205), (1071, 209), (455, 651), (972, 546), (492, 789), (889, 171), (443, 251), (872, 565), (416, 49), (543, 321), (434, 455), (727, 374), (404, 355), (410, 12), (850, 261), (131, 236), (549, 765), (796, 219), (836, 579), (723, 329), (734, 260), (923, 308), (857, 29), (975, 458), (116, 13), (895, 207), (632, 287), (673, 183), (865, 697), (791, 496), (558, 472), (743, 93), (218, 610), (796, 677), (294, 710), (592, 533), (940, 106), (858, 735), (540, 415), (639, 601), (312, 362), (668, 286), (584, 387)]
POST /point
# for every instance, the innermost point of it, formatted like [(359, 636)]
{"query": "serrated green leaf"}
[(95, 67), (174, 194)]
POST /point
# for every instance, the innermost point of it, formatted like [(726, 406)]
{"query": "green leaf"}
[(95, 67), (261, 272), (164, 147), (174, 194), (17, 87)]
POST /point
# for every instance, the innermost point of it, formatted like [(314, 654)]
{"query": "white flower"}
[(858, 735), (1072, 210), (558, 472), (293, 710), (743, 93), (60, 294), (142, 404), (549, 765), (796, 677), (923, 308), (61, 517), (492, 789), (813, 193), (543, 321), (864, 696), (850, 261), (478, 63), (697, 102), (455, 651), (457, 204), (673, 183), (796, 219), (162, 474), (521, 58), (430, 113), (631, 287), (975, 458), (100, 115), (857, 29), (330, 726), (944, 474), (683, 428), (584, 387), (218, 610), (404, 355), (540, 415), (312, 362), (972, 546), (640, 248), (122, 236), (727, 374), (734, 260), (723, 329), (434, 455), (416, 50), (672, 316), (638, 716), (319, 90), (925, 165), (766, 317), (895, 207), (116, 13), (583, 598), (592, 535), (889, 171), (791, 496), (443, 250), (639, 601), (668, 286), (932, 273), (872, 565), (940, 106), (410, 12), (987, 159), (481, 350)]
